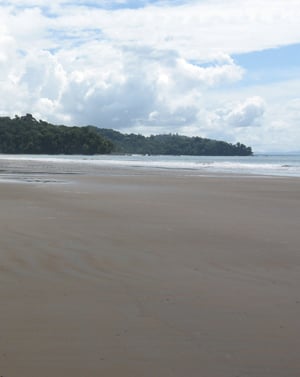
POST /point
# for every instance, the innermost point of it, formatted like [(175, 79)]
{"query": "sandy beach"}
[(161, 275)]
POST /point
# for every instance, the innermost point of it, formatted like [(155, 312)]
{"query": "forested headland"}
[(26, 135), (172, 144)]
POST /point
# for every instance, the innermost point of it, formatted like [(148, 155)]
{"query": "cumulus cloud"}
[(210, 76), (247, 113)]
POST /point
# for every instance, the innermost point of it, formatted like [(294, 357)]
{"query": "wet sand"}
[(150, 275)]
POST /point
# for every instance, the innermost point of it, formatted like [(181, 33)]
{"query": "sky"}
[(227, 70)]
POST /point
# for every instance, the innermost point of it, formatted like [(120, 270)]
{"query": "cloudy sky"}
[(221, 69)]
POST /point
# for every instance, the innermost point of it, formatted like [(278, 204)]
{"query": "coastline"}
[(139, 273), (257, 165)]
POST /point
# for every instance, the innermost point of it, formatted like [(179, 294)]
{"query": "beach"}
[(138, 274)]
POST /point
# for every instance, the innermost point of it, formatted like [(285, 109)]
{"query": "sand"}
[(150, 275)]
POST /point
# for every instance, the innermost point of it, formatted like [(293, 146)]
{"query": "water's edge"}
[(264, 165)]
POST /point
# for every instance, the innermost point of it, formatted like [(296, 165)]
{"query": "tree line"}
[(172, 144), (26, 135)]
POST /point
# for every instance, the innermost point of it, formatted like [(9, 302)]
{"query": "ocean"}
[(258, 165)]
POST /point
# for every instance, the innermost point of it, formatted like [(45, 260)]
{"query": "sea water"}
[(259, 165)]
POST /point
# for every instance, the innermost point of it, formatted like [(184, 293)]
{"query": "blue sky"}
[(270, 65), (228, 71)]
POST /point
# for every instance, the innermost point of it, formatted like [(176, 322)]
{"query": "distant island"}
[(26, 135)]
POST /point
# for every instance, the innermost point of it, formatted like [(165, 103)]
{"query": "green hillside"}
[(172, 145), (26, 135)]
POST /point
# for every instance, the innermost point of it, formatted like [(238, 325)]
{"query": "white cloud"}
[(276, 129), (246, 114), (197, 30), (210, 76)]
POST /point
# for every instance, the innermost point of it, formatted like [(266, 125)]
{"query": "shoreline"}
[(277, 166), (150, 274)]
